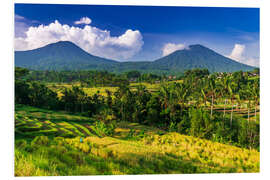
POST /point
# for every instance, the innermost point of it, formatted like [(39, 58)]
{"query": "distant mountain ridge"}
[(65, 55), (198, 56)]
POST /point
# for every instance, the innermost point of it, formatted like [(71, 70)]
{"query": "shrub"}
[(29, 148), (104, 129), (59, 140), (85, 148), (67, 159), (40, 140), (21, 143), (76, 156), (57, 149)]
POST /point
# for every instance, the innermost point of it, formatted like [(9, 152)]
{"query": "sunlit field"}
[(57, 143), (99, 90)]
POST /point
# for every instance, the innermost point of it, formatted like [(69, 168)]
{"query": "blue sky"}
[(136, 33)]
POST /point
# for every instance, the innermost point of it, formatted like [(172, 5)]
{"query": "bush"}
[(29, 148), (76, 156), (66, 159), (104, 129), (55, 150), (59, 140), (21, 143), (40, 140)]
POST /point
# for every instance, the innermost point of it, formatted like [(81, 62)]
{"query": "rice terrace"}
[(100, 98)]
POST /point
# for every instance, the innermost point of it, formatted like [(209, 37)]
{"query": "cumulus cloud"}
[(84, 20), (171, 47), (237, 54), (91, 39)]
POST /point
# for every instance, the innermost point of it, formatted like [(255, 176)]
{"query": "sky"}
[(140, 33)]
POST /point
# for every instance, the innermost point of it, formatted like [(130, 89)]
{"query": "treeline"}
[(92, 78), (187, 107)]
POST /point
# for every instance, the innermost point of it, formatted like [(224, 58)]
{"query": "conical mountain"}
[(198, 56), (63, 55)]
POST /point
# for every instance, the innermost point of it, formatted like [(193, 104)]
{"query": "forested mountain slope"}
[(65, 55)]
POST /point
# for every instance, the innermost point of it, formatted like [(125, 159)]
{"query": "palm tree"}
[(109, 98), (224, 84), (182, 93), (256, 95), (232, 89), (203, 90), (212, 86), (248, 93), (165, 95)]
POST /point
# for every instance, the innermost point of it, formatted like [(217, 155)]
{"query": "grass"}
[(167, 154), (99, 90), (50, 143), (31, 122)]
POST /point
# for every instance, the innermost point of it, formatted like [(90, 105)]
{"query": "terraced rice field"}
[(31, 122), (57, 143)]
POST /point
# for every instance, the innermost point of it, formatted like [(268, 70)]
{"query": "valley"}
[(96, 122), (136, 89)]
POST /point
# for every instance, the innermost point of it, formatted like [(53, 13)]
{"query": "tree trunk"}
[(255, 112), (76, 107), (248, 114), (254, 138), (212, 106), (82, 107), (231, 116), (224, 107)]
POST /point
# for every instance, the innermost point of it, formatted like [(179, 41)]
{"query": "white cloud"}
[(93, 40), (171, 47), (18, 17), (237, 54), (84, 20)]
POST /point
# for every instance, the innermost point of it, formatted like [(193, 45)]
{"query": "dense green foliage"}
[(67, 56), (141, 123), (186, 107), (91, 78)]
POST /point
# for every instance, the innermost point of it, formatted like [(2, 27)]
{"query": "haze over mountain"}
[(65, 55)]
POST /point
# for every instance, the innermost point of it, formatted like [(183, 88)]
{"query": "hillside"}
[(130, 148), (198, 56), (65, 55)]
